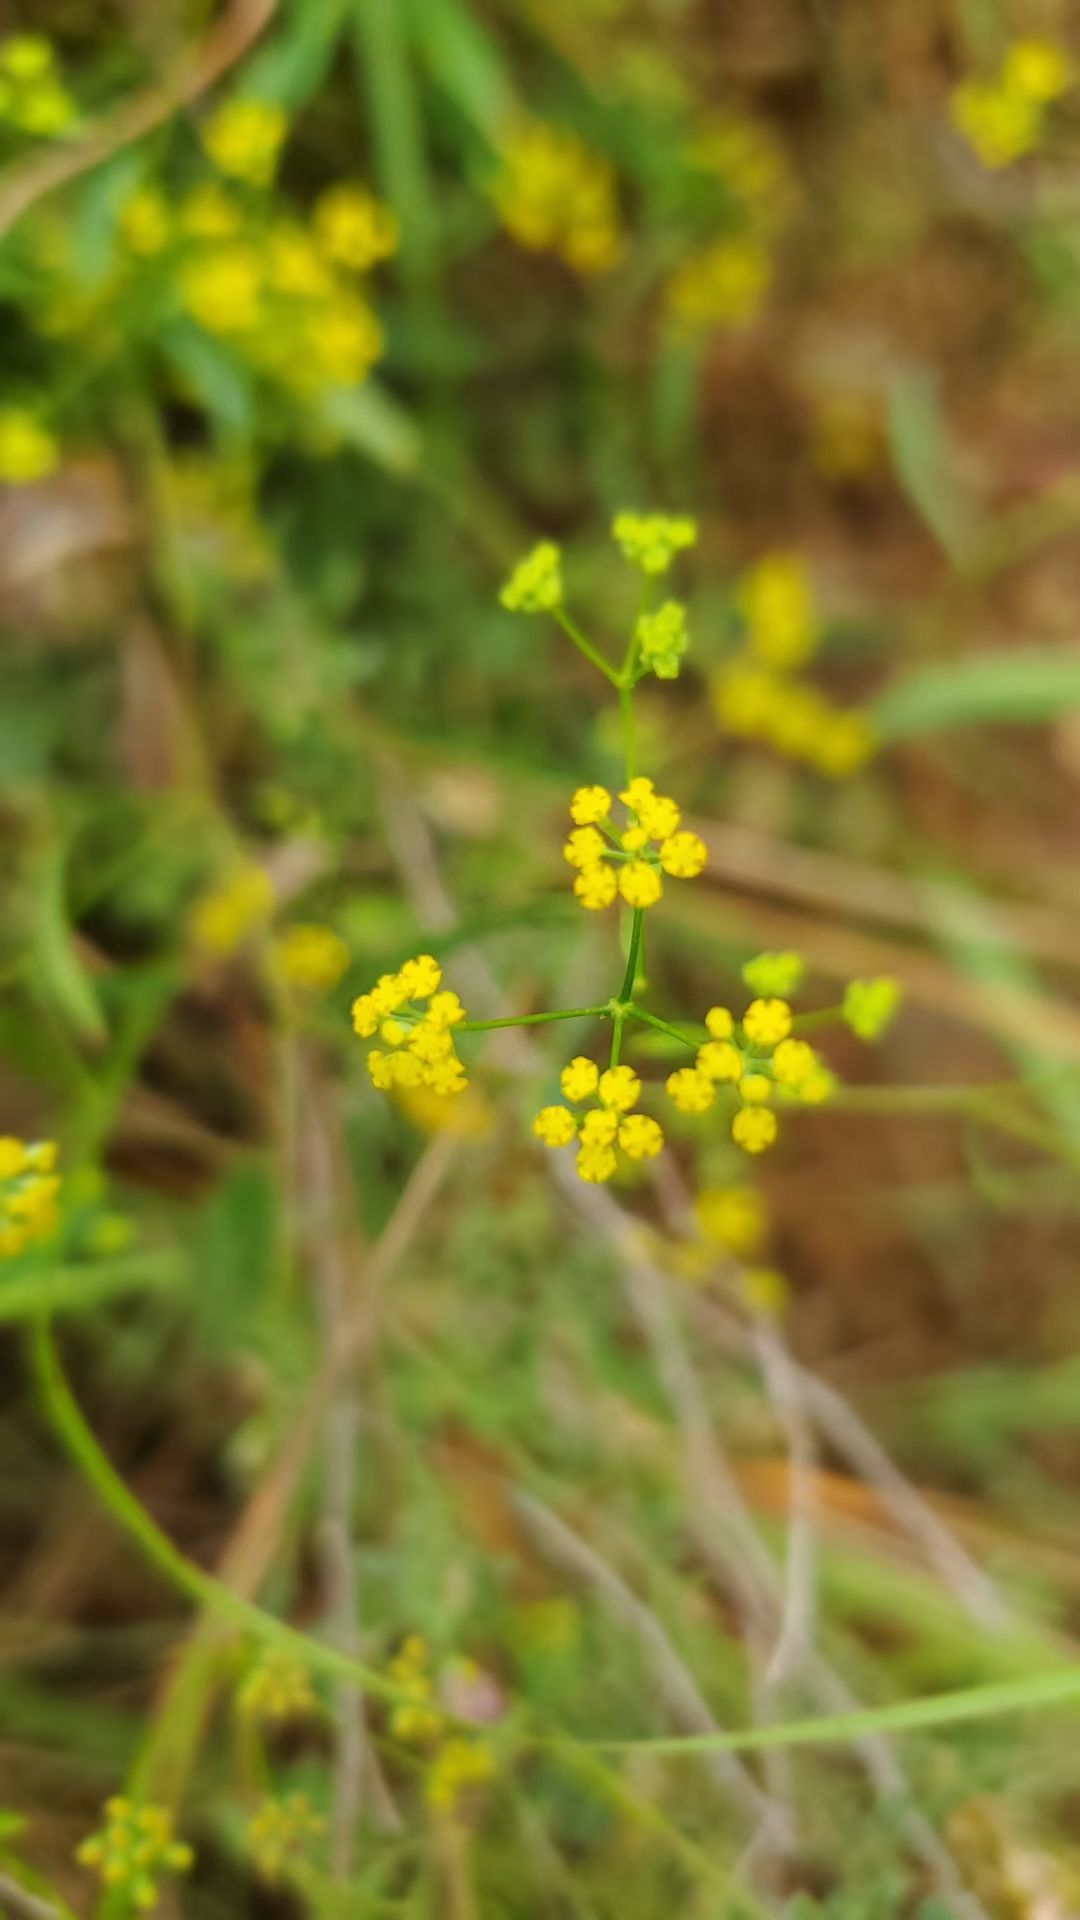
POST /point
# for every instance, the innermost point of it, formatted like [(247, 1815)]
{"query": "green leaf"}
[(1028, 685), (58, 976), (922, 456), (292, 66), (465, 62), (372, 422)]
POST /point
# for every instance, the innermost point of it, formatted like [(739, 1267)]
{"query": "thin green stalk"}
[(586, 647), (67, 1420), (633, 957), (661, 1026), (626, 709), (532, 1019), (617, 1024), (1058, 1687)]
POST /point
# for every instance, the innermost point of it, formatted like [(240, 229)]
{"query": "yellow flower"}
[(222, 918), (133, 1849), (42, 109), (691, 1090), (640, 884), (767, 1021), (580, 1078), (458, 1765), (344, 338), (420, 1042), (599, 1127), (595, 887), (683, 855), (774, 973), (279, 1829), (732, 1217), (584, 848), (555, 1126), (755, 1089), (310, 958), (415, 1720), (870, 1006), (651, 541), (554, 196), (145, 224), (619, 1089), (221, 288), (640, 1137), (842, 743), (720, 1023), (662, 640), (353, 228), (535, 586), (720, 285), (276, 1688), (754, 1128), (294, 265), (27, 56), (590, 805), (209, 213), (243, 139), (28, 451), (777, 603), (720, 1060), (793, 1062), (765, 1290), (596, 1163), (1039, 69), (999, 123), (29, 1191)]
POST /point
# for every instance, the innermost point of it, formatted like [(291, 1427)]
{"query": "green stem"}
[(633, 957), (626, 708), (650, 1019), (67, 1420), (531, 1019), (586, 647), (617, 1024)]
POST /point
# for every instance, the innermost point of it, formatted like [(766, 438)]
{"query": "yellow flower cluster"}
[(662, 640), (609, 1124), (29, 1186), (555, 196), (652, 540), (720, 285), (278, 1829), (33, 98), (758, 695), (870, 1006), (134, 1848), (458, 1765), (282, 293), (1003, 118), (244, 137), (535, 586), (760, 1059), (28, 451), (415, 1720), (277, 1688), (629, 862), (418, 1044), (309, 959), (222, 918)]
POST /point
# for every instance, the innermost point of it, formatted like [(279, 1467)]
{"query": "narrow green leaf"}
[(1029, 685), (465, 62), (923, 460)]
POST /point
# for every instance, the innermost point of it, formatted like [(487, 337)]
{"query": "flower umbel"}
[(417, 1042), (133, 1849), (278, 1830), (633, 861), (535, 586), (651, 540), (609, 1124), (757, 1056)]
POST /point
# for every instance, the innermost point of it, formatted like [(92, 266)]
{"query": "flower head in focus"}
[(631, 861), (610, 1124), (651, 541)]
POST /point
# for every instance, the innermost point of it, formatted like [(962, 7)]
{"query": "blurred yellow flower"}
[(354, 229), (243, 139), (720, 285), (310, 958), (555, 196), (222, 288), (224, 916), (28, 451)]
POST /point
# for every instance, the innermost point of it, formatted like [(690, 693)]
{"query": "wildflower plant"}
[(621, 850), (134, 1849)]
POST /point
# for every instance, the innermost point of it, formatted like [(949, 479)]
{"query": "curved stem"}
[(650, 1019), (591, 653), (633, 956)]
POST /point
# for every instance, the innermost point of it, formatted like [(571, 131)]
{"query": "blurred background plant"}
[(364, 1471)]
